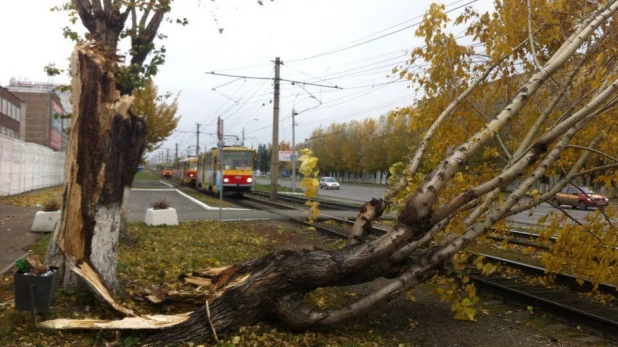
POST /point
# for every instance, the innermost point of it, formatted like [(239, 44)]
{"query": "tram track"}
[(556, 301), (301, 200)]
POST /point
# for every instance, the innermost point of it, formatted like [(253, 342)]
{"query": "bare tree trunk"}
[(105, 147), (125, 236)]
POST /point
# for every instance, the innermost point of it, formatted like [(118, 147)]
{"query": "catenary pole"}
[(197, 143), (293, 151), (274, 163)]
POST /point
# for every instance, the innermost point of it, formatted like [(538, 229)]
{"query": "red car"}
[(580, 198)]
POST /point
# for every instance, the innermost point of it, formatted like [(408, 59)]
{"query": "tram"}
[(186, 171), (167, 172), (235, 175)]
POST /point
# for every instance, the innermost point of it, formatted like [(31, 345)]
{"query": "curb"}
[(6, 269)]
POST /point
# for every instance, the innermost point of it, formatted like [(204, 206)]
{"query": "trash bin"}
[(35, 291)]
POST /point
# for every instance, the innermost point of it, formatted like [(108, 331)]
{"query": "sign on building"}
[(287, 155)]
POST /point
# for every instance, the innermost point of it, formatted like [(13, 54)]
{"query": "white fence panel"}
[(27, 166)]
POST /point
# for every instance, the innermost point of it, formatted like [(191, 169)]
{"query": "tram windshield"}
[(192, 166), (238, 160)]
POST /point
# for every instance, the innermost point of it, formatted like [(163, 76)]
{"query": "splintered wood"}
[(129, 323)]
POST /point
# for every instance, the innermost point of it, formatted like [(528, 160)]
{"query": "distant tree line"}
[(370, 146)]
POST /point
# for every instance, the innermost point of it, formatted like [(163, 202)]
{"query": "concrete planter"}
[(161, 217), (45, 221)]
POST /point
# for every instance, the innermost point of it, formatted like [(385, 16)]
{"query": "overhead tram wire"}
[(376, 38), (382, 66), (367, 88), (268, 78), (391, 102), (224, 104), (402, 53), (374, 57), (359, 72), (337, 75), (378, 82), (364, 37), (324, 79), (351, 75), (241, 106), (358, 113), (222, 114), (271, 79), (394, 26)]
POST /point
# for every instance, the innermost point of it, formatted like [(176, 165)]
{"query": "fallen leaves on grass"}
[(36, 198)]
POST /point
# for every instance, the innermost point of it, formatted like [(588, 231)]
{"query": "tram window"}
[(238, 160), (192, 166)]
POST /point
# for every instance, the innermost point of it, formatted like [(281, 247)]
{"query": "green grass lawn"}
[(145, 175)]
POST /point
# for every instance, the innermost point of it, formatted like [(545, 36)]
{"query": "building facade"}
[(12, 109), (44, 124)]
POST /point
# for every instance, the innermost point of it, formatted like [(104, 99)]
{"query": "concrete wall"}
[(27, 166)]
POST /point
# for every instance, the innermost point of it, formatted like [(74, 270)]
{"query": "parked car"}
[(582, 199), (328, 183)]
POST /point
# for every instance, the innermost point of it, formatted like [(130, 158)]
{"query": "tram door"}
[(208, 172)]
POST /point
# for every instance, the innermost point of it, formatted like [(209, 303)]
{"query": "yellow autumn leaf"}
[(458, 177)]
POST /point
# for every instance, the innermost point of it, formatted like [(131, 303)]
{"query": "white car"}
[(328, 183)]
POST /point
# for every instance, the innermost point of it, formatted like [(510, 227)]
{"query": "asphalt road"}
[(358, 193), (144, 193), (365, 193)]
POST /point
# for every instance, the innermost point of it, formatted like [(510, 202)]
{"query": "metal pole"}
[(274, 164), (197, 143), (222, 168), (259, 159), (293, 152)]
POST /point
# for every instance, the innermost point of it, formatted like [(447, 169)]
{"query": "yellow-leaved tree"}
[(310, 172), (159, 114)]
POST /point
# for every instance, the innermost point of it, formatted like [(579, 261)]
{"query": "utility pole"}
[(220, 144), (274, 163), (243, 138), (176, 155), (167, 158), (259, 159), (197, 143), (293, 152)]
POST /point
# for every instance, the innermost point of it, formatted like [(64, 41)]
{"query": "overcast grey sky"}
[(253, 35)]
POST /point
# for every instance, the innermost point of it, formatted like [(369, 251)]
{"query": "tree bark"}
[(105, 145)]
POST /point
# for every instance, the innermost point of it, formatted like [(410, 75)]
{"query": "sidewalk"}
[(15, 235)]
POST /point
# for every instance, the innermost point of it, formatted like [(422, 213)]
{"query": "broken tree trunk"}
[(105, 146), (273, 287)]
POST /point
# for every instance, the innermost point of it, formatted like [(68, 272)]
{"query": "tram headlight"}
[(249, 180), (226, 180)]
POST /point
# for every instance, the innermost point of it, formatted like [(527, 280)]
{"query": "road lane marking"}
[(153, 189), (167, 184), (209, 208)]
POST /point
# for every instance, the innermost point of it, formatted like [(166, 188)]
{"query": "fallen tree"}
[(566, 93)]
